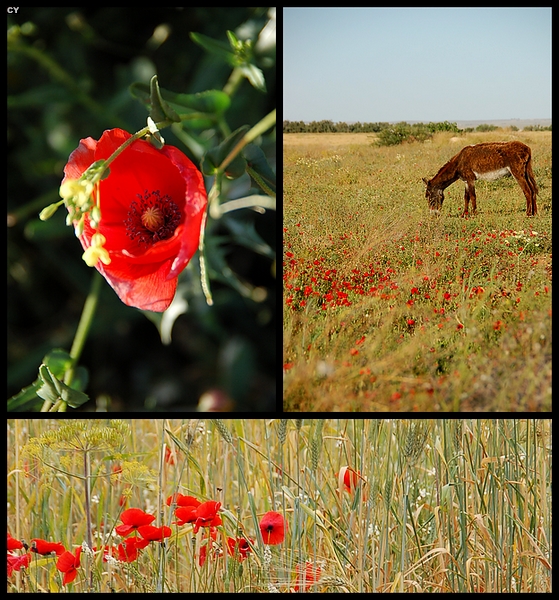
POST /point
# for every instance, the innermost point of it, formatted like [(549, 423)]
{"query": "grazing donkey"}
[(489, 161)]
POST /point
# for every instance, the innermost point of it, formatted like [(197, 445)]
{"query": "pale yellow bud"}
[(76, 191), (96, 252)]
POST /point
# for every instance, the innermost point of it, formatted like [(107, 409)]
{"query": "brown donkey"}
[(488, 161)]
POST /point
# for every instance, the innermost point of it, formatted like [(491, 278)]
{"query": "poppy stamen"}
[(152, 218)]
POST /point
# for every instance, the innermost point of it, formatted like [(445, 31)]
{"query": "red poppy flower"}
[(68, 564), (181, 500), (307, 576), (272, 527), (41, 547), (154, 534), (185, 514), (14, 544), (129, 550), (206, 515), (349, 477), (152, 204), (15, 563), (170, 456), (132, 519), (239, 547)]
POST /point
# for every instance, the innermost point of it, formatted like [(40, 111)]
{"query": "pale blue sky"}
[(386, 64)]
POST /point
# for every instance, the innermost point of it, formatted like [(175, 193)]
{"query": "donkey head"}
[(435, 197)]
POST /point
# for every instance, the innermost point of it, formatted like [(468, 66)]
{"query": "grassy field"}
[(387, 308), (386, 505)]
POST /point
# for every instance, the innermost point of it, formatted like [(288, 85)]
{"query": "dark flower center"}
[(152, 218)]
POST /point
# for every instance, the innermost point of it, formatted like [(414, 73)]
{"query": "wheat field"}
[(363, 505)]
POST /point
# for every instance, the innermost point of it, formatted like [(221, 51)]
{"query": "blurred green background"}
[(69, 72)]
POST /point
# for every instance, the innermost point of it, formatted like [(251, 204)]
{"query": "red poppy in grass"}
[(14, 544), (210, 547), (132, 519), (186, 508), (151, 204), (206, 515), (272, 526), (349, 478), (170, 456), (307, 576), (41, 547), (185, 514), (154, 534), (15, 563), (239, 547), (129, 550), (68, 564), (181, 500), (126, 552)]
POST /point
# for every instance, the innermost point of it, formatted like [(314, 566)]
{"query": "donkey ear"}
[(425, 181)]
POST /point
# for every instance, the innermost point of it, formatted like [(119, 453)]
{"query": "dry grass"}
[(440, 505), (387, 308)]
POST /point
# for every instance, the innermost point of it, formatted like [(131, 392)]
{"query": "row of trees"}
[(390, 134), (327, 126)]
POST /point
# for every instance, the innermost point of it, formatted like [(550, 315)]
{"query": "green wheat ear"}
[(282, 431), (223, 430), (316, 444), (415, 440)]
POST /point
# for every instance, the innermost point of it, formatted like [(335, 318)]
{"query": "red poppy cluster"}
[(66, 563), (137, 530), (419, 289), (16, 561)]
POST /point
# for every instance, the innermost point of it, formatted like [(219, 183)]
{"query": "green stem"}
[(263, 125), (84, 325), (204, 277), (120, 149), (79, 339), (138, 135), (234, 81)]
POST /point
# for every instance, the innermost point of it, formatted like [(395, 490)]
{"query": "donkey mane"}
[(488, 161)]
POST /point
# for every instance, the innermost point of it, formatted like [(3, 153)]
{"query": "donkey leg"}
[(473, 199), (470, 194), (532, 184), (527, 188), (466, 200)]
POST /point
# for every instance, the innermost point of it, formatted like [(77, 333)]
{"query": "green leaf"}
[(58, 361), (259, 169), (26, 399), (244, 233), (53, 390), (236, 167), (209, 101), (160, 110), (189, 106), (213, 158), (220, 49), (217, 248), (81, 379)]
